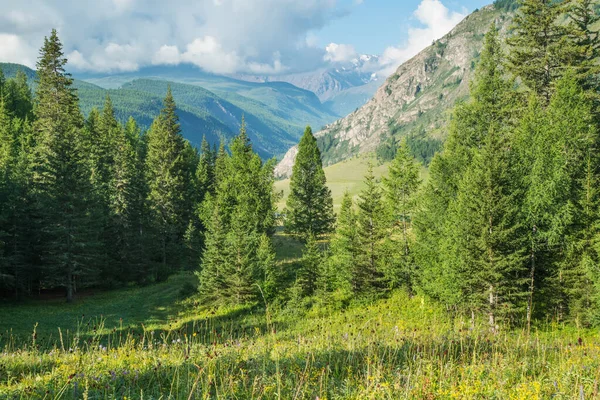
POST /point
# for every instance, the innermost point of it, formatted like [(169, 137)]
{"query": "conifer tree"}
[(241, 211), (582, 41), (536, 55), (309, 208), (272, 279), (491, 102), (166, 177), (310, 265), (344, 246), (18, 97), (400, 189), (371, 230), (61, 175)]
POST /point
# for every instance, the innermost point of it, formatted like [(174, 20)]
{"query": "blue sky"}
[(374, 25), (261, 37)]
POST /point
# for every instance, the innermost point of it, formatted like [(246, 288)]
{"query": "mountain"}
[(416, 99), (342, 88), (276, 113)]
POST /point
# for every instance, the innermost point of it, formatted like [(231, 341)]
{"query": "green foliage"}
[(309, 208), (368, 276), (242, 212), (63, 192), (507, 5), (400, 189)]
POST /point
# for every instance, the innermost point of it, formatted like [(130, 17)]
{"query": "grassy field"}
[(156, 342), (153, 343), (346, 175)]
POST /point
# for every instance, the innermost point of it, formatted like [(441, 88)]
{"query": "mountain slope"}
[(276, 114), (416, 98), (343, 87), (288, 107)]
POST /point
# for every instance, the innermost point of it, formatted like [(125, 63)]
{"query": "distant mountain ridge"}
[(417, 98), (212, 106), (342, 87)]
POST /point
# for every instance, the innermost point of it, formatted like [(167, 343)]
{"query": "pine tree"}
[(582, 41), (490, 248), (61, 176), (535, 54), (214, 259), (166, 177), (400, 194), (371, 231), (309, 208), (18, 97), (491, 102), (7, 160), (574, 135), (310, 265), (272, 279), (344, 246), (241, 211)]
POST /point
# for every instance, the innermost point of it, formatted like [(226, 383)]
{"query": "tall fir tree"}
[(307, 274), (309, 208), (344, 248), (492, 101), (61, 176), (240, 212), (400, 189), (368, 276), (536, 55), (166, 176)]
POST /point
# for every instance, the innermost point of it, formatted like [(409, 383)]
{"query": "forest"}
[(503, 233)]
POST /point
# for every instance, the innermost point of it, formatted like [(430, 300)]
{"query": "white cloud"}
[(167, 55), (208, 54), (14, 49), (437, 19), (266, 36), (340, 52), (221, 36)]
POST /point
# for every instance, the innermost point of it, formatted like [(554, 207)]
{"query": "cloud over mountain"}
[(222, 36)]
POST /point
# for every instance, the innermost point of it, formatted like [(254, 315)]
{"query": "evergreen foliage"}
[(309, 208)]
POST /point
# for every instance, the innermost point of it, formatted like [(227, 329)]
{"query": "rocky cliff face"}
[(419, 94)]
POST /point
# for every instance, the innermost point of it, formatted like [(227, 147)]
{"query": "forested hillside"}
[(275, 115)]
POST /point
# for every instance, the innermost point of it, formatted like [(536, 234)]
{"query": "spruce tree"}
[(344, 246), (535, 54), (166, 176), (62, 176), (307, 275), (582, 41), (368, 274), (492, 101), (239, 213), (309, 208), (400, 189)]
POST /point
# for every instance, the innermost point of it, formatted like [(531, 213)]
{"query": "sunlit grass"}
[(400, 347)]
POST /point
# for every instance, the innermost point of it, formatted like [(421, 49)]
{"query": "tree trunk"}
[(491, 312), (531, 286)]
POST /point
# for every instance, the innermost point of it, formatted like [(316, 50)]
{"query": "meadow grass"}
[(347, 175), (150, 343)]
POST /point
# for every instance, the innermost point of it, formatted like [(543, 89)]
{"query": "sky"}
[(261, 37)]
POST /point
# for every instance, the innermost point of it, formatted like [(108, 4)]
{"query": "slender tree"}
[(309, 208), (61, 175)]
